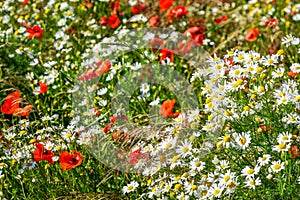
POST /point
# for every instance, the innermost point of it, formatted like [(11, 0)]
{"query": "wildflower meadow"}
[(138, 99)]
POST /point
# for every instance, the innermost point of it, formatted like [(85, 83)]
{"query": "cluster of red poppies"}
[(113, 21), (66, 159)]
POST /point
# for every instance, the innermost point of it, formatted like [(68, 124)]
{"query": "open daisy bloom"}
[(69, 161)]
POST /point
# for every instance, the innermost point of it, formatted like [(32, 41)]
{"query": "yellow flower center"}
[(198, 164), (227, 138), (185, 149), (250, 171), (285, 138), (277, 166), (226, 178), (194, 187), (168, 145), (281, 146), (177, 187), (243, 141), (130, 187), (217, 191)]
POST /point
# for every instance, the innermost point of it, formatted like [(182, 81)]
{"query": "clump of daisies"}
[(257, 148)]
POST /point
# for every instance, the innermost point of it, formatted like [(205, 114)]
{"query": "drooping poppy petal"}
[(23, 111), (11, 103)]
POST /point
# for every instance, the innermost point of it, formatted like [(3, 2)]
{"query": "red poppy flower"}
[(185, 47), (138, 8), (155, 43), (196, 34), (229, 62), (136, 155), (106, 128), (41, 153), (35, 32), (113, 21), (69, 161), (292, 74), (165, 4), (89, 4), (43, 88), (295, 152), (166, 53), (120, 136), (102, 67), (11, 103), (272, 23), (103, 21), (25, 2), (219, 20), (113, 119), (115, 7), (178, 12), (271, 51), (92, 73), (251, 34), (167, 107), (23, 111), (153, 21), (96, 112)]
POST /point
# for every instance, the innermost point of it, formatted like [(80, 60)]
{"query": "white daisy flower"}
[(281, 147), (145, 87), (227, 141), (250, 172), (295, 67), (264, 160), (185, 149), (284, 138), (196, 164), (216, 190), (243, 140), (130, 187), (227, 177), (251, 182), (276, 166), (287, 40)]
